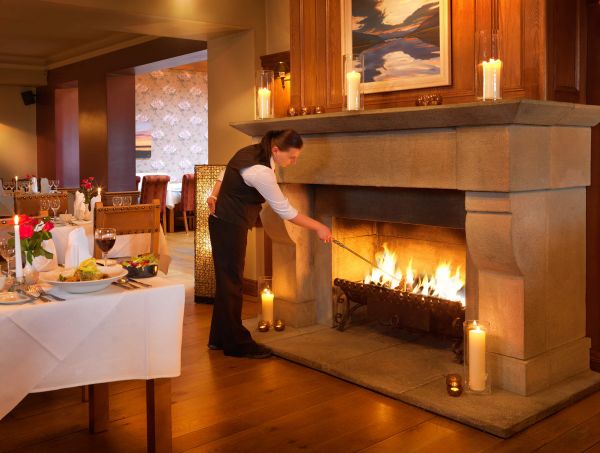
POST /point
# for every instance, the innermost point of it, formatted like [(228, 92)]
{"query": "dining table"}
[(93, 339), (125, 245)]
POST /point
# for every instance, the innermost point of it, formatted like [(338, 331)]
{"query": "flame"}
[(443, 283)]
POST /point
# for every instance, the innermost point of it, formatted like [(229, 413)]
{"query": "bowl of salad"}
[(141, 266)]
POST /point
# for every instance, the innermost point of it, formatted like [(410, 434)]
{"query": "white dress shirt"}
[(263, 179)]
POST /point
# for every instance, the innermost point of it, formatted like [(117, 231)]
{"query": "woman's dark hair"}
[(284, 139)]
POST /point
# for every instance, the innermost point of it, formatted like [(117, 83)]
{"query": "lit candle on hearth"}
[(353, 90), (18, 262), (266, 298), (477, 370), (264, 103), (492, 71)]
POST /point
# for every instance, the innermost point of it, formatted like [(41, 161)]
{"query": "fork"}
[(47, 294)]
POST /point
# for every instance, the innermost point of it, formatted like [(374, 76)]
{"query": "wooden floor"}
[(241, 405)]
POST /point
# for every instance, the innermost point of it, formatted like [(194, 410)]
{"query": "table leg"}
[(158, 415), (98, 407)]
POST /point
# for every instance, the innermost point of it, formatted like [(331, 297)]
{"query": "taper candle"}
[(18, 261)]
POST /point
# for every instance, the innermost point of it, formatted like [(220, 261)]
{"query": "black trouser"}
[(229, 251)]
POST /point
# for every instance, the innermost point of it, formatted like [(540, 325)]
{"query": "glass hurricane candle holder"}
[(353, 82), (489, 65), (264, 94), (267, 299), (477, 376), (454, 385)]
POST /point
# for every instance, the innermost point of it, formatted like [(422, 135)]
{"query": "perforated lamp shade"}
[(204, 270)]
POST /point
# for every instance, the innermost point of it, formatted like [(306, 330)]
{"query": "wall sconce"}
[(204, 270), (281, 71)]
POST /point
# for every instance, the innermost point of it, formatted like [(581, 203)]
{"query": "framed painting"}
[(405, 43)]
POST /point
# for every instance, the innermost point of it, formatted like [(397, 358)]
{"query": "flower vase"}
[(30, 274)]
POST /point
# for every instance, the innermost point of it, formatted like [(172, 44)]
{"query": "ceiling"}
[(38, 35)]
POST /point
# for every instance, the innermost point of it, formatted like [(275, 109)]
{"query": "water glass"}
[(54, 204), (8, 252), (44, 204), (117, 201), (127, 200)]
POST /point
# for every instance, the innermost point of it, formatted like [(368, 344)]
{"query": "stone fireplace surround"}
[(513, 173)]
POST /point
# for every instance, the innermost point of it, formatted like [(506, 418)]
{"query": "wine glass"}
[(44, 205), (117, 201), (105, 239), (8, 252), (127, 200), (54, 204), (56, 184)]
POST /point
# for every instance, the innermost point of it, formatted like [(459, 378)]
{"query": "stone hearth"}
[(512, 173)]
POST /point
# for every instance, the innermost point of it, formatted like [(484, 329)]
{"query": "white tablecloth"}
[(125, 245), (107, 336)]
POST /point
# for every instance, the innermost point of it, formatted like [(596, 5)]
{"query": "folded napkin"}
[(79, 207), (43, 264), (34, 184), (78, 248), (44, 186), (93, 202)]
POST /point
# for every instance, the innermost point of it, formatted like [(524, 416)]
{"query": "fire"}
[(444, 283)]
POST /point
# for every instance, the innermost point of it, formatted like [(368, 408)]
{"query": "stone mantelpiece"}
[(523, 167)]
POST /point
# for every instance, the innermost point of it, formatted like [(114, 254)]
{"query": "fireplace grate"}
[(401, 309)]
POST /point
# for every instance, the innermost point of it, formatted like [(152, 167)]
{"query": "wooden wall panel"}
[(593, 192), (567, 50), (316, 46)]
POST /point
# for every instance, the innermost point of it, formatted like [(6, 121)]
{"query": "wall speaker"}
[(28, 97)]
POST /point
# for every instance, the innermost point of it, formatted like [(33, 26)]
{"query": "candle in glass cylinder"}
[(353, 90), (266, 297), (492, 71), (18, 262), (264, 103), (477, 371)]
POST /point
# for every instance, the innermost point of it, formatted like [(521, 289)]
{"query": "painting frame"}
[(444, 78)]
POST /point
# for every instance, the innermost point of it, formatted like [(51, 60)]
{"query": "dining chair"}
[(155, 187), (107, 197), (29, 203), (134, 219), (71, 191), (187, 206)]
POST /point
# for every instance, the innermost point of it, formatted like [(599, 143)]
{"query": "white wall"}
[(18, 142)]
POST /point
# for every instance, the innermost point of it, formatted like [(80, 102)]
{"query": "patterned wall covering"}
[(172, 105)]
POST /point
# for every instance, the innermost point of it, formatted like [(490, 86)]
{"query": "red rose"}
[(84, 182), (91, 178), (88, 186), (25, 219), (26, 230), (47, 226)]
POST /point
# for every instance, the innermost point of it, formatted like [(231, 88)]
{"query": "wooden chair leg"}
[(158, 415), (171, 220), (185, 223), (98, 407)]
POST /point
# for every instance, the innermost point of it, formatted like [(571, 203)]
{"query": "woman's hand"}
[(324, 233), (212, 203)]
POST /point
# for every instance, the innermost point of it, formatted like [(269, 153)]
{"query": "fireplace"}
[(509, 177), (416, 281)]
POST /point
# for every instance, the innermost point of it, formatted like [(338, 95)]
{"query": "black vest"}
[(237, 202)]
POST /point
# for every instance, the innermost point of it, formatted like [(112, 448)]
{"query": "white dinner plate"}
[(7, 298), (114, 272)]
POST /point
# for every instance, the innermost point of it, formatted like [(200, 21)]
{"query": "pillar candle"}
[(353, 90), (477, 371), (264, 103), (266, 298), (99, 190), (492, 71), (18, 262)]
